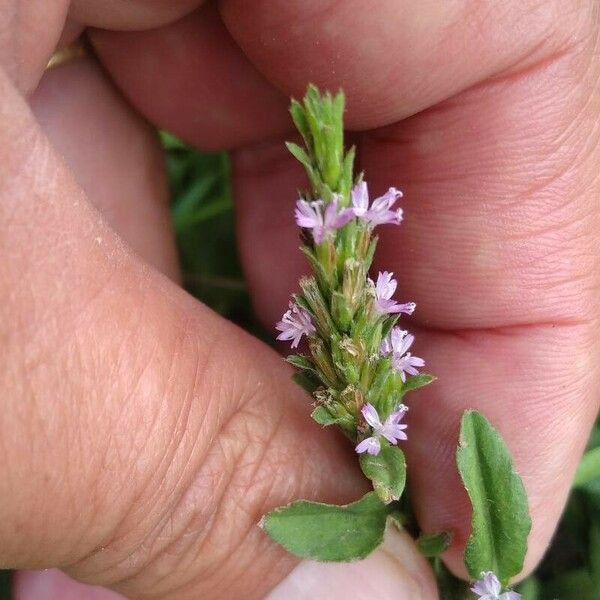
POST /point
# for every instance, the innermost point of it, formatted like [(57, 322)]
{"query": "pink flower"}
[(322, 220), (489, 588), (295, 323), (392, 430), (397, 344), (379, 213), (384, 290)]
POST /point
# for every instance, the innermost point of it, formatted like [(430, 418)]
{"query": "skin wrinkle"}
[(179, 550), (168, 505), (158, 473), (511, 259), (525, 459), (221, 429), (218, 563)]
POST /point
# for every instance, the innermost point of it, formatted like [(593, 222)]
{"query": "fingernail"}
[(395, 571)]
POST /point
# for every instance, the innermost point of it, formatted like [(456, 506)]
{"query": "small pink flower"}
[(380, 211), (384, 290), (489, 588), (392, 430), (322, 220), (397, 344), (295, 323)]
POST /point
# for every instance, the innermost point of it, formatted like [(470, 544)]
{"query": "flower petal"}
[(370, 445), (371, 416), (360, 198)]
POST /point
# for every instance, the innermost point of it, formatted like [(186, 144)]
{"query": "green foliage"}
[(501, 521), (327, 532), (387, 471), (589, 468), (434, 544), (530, 589), (5, 585), (202, 212), (323, 417), (306, 381), (418, 381)]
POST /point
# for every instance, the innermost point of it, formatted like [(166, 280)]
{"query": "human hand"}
[(505, 277)]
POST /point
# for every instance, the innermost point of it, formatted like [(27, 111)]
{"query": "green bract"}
[(434, 544), (387, 471)]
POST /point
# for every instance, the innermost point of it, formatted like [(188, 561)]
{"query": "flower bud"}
[(322, 360), (314, 299)]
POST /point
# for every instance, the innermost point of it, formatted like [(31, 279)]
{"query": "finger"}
[(114, 155), (143, 436), (53, 584), (498, 251), (396, 571), (398, 59), (380, 64), (31, 31), (209, 93), (130, 14), (117, 161), (508, 294)]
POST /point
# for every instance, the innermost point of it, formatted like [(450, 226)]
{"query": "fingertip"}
[(192, 79), (395, 571), (53, 584)]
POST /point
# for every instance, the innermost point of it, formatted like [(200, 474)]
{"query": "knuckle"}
[(208, 473)]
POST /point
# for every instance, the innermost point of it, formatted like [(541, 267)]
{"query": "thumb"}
[(142, 436), (396, 571)]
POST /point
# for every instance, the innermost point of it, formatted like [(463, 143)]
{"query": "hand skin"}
[(143, 436)]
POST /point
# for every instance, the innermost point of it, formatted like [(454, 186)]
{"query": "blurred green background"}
[(203, 219)]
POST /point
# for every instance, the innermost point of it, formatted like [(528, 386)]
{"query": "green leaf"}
[(302, 362), (323, 417), (434, 544), (307, 382), (299, 118), (347, 171), (387, 471), (301, 156), (501, 521), (418, 381), (298, 153), (327, 532)]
